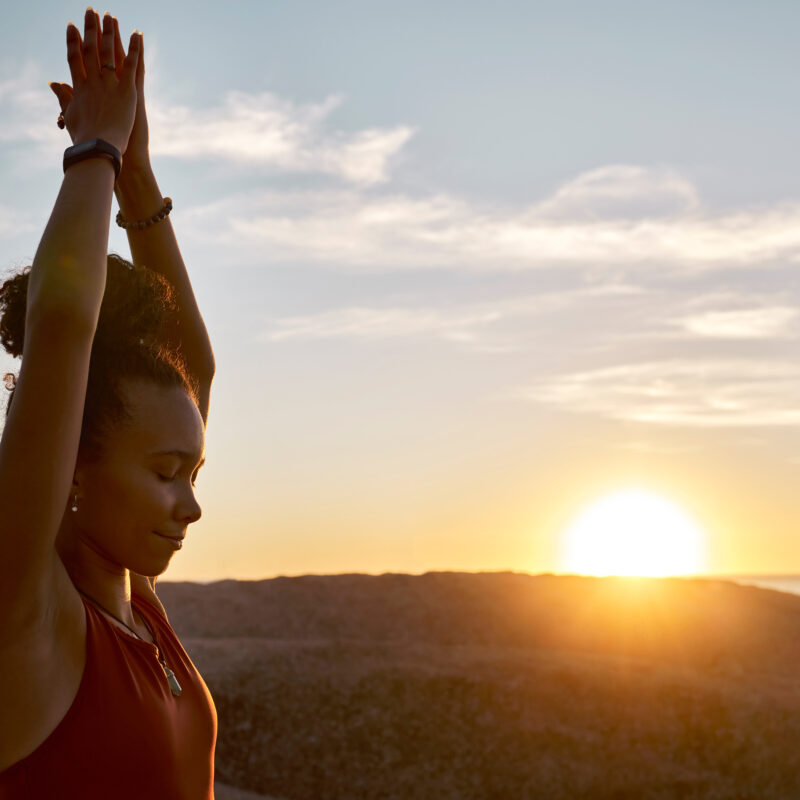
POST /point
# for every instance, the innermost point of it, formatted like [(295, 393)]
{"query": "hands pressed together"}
[(106, 98)]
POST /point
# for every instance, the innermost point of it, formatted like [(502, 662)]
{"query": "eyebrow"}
[(181, 454)]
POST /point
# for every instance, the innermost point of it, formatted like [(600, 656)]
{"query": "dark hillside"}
[(498, 685)]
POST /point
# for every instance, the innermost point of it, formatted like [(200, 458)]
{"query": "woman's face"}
[(144, 484)]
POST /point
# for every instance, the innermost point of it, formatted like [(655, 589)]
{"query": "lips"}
[(178, 538)]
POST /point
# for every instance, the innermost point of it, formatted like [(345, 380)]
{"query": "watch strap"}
[(91, 149)]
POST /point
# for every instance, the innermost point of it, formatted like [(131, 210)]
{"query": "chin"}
[(152, 569)]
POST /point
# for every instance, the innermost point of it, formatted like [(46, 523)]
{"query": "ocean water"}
[(782, 583)]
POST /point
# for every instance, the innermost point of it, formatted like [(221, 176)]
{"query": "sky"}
[(467, 268)]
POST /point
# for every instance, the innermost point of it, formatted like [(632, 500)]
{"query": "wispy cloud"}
[(380, 233), (30, 108), (477, 325), (378, 323), (749, 323), (706, 393), (266, 130), (249, 130), (621, 191), (614, 217)]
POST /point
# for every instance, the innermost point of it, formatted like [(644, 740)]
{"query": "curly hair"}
[(128, 343)]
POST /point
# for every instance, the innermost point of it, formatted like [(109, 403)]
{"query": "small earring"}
[(75, 503)]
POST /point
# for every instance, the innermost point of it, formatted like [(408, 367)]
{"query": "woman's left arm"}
[(155, 246)]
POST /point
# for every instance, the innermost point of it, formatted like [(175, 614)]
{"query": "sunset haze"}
[(467, 269)]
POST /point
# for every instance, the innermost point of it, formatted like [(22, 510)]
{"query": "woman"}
[(98, 459)]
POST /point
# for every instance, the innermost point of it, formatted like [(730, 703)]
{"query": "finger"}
[(63, 92), (56, 90), (99, 29), (91, 55), (107, 43), (132, 59), (75, 55), (119, 50), (66, 91), (140, 67)]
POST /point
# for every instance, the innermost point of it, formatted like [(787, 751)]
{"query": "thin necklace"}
[(171, 679)]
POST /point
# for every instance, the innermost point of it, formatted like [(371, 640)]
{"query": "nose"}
[(189, 510)]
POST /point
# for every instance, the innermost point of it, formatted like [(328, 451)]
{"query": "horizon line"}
[(696, 576)]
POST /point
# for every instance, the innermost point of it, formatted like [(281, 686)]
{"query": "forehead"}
[(163, 418)]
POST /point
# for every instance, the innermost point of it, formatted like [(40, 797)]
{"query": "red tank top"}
[(126, 735)]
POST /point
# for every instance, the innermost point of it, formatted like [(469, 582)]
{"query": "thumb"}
[(63, 93)]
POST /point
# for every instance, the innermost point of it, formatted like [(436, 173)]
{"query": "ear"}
[(78, 479)]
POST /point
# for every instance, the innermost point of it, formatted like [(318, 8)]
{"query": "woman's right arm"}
[(68, 275), (39, 444)]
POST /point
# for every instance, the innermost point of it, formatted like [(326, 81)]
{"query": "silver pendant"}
[(173, 681)]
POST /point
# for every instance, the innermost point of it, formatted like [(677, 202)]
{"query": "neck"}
[(108, 585)]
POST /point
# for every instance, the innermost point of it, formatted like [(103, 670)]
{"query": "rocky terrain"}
[(496, 685)]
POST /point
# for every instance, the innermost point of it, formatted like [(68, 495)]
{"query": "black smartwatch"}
[(92, 149)]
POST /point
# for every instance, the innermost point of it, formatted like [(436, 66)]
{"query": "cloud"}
[(695, 393), (266, 130), (614, 218), (353, 230), (472, 325), (378, 323), (30, 109), (621, 191), (749, 323), (248, 130)]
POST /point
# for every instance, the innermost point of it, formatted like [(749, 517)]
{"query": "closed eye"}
[(170, 478)]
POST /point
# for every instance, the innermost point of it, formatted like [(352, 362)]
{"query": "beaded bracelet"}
[(123, 223)]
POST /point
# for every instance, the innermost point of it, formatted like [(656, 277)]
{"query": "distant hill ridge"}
[(468, 686), (701, 622)]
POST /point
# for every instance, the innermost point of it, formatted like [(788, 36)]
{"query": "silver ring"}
[(107, 66)]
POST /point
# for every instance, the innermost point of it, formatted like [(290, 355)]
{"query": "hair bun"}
[(13, 307), (137, 302)]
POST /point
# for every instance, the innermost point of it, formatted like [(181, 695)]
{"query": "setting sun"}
[(634, 532)]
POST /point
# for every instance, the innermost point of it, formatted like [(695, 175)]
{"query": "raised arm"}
[(39, 445), (155, 246)]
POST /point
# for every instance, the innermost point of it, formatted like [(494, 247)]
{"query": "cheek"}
[(126, 498)]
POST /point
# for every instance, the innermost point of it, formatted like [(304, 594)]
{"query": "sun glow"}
[(634, 532)]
